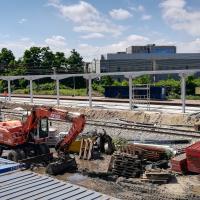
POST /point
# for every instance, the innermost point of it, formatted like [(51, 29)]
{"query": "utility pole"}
[(74, 83), (54, 70)]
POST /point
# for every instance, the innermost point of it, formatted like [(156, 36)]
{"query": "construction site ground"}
[(92, 177), (91, 174), (151, 117)]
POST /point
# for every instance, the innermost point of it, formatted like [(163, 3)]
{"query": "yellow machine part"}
[(75, 147)]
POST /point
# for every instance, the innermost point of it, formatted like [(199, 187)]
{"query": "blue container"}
[(8, 165), (156, 92), (116, 91)]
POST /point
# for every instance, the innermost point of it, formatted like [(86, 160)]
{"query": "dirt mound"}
[(138, 116), (134, 116)]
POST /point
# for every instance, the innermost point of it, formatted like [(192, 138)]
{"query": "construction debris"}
[(126, 165), (88, 149), (146, 152), (179, 164), (193, 157), (164, 142), (156, 176)]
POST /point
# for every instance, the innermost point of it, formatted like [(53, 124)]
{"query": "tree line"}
[(39, 60)]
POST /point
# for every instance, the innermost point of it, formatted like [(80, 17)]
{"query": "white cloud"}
[(53, 2), (179, 17), (86, 18), (92, 36), (191, 46), (89, 51), (146, 17), (120, 14), (21, 21), (79, 13), (56, 41), (141, 8), (25, 39), (95, 26), (18, 46), (137, 39)]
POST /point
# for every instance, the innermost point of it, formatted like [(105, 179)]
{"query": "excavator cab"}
[(42, 128)]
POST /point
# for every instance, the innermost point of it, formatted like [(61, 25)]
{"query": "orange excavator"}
[(27, 138)]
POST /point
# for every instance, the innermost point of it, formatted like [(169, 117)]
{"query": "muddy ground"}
[(91, 174)]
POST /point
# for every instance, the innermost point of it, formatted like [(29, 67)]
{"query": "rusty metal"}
[(179, 164), (193, 157), (152, 154)]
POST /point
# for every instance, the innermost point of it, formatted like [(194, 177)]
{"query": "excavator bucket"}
[(61, 166)]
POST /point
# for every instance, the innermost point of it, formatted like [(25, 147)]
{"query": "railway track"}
[(145, 128), (133, 127)]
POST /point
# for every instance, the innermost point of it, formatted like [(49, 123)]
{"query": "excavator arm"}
[(38, 113), (78, 123)]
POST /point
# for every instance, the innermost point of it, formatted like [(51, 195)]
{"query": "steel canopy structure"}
[(129, 75)]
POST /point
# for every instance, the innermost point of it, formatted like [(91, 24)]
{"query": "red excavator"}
[(27, 138)]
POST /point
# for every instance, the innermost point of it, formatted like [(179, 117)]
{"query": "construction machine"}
[(28, 138)]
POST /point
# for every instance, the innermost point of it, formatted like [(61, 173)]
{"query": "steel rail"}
[(132, 126), (145, 128)]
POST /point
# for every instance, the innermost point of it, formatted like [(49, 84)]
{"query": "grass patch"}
[(191, 97), (66, 92)]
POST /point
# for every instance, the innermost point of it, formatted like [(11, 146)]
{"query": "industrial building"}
[(148, 58)]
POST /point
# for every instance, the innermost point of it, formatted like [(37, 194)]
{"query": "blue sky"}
[(95, 27)]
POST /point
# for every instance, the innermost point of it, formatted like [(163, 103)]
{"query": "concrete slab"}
[(105, 105)]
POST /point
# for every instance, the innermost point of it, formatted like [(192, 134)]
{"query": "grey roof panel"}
[(71, 194), (34, 194), (21, 186), (23, 190), (19, 180), (10, 176), (28, 185), (87, 195), (60, 193)]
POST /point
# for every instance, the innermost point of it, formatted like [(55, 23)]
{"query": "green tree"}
[(42, 60), (172, 85), (32, 58), (190, 85), (47, 58), (145, 79), (106, 80), (7, 59), (75, 62), (59, 60), (124, 83)]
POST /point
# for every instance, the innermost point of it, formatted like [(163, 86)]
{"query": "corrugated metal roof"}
[(29, 185), (8, 165)]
